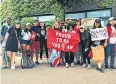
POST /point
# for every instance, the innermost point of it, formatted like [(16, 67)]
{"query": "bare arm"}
[(6, 36), (105, 44)]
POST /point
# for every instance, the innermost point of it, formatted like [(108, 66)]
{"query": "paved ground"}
[(43, 74)]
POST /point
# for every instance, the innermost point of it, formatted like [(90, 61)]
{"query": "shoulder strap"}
[(16, 34)]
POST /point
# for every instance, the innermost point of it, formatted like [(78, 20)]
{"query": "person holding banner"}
[(97, 46), (54, 54), (69, 56), (85, 45), (78, 54), (110, 49)]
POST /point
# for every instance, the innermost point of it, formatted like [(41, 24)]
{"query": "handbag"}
[(19, 46), (90, 55)]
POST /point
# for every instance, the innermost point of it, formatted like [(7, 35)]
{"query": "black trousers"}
[(85, 53), (69, 57), (43, 43)]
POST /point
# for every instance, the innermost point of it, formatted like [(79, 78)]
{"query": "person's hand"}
[(105, 44), (38, 34), (86, 49)]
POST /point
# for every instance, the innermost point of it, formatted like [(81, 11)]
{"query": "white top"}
[(26, 36), (113, 39)]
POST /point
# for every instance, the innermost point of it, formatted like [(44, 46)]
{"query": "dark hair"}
[(26, 30), (9, 18), (71, 25), (109, 24), (76, 23), (99, 26), (35, 20), (19, 29), (115, 26)]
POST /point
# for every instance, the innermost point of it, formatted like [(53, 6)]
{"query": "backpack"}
[(26, 62)]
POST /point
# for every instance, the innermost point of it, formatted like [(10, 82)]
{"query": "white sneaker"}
[(84, 65), (47, 61), (72, 65), (40, 61), (89, 66), (66, 65), (13, 67)]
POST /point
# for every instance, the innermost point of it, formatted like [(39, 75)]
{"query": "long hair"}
[(115, 26), (108, 24), (27, 30), (44, 26), (54, 26), (19, 29), (100, 26)]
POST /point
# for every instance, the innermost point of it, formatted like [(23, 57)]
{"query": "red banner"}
[(62, 41)]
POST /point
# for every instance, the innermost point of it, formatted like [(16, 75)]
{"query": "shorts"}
[(24, 42), (35, 46)]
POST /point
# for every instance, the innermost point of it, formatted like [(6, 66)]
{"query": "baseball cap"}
[(28, 24), (97, 21), (82, 27), (78, 20), (68, 19), (17, 22), (42, 21), (112, 18), (35, 20)]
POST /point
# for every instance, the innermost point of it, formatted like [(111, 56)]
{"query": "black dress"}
[(12, 41)]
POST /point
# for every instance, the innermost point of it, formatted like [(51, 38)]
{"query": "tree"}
[(5, 9), (22, 8), (103, 3)]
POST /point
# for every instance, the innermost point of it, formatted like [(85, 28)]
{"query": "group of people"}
[(17, 38)]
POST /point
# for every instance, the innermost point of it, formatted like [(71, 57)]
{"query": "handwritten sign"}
[(99, 34)]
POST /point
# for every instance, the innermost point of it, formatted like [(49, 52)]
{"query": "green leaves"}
[(22, 8)]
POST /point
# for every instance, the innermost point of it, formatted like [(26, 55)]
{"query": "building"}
[(84, 10)]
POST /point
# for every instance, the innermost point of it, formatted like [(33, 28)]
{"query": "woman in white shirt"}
[(26, 42), (109, 50)]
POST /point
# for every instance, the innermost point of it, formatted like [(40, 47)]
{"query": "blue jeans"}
[(109, 51)]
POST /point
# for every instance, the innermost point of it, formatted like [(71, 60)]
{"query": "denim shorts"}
[(24, 42)]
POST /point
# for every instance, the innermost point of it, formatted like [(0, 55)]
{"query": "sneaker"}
[(13, 67), (47, 61), (51, 65), (100, 70), (9, 65), (106, 67), (37, 62), (66, 65), (89, 66), (40, 61), (72, 65), (84, 65), (112, 67)]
